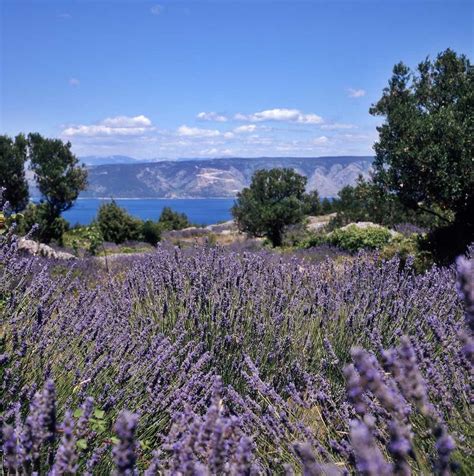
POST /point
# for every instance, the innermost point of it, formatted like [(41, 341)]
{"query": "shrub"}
[(48, 228), (315, 239), (151, 232), (87, 238), (294, 235), (171, 220), (116, 224), (354, 238)]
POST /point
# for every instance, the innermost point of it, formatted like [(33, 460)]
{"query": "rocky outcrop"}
[(40, 249)]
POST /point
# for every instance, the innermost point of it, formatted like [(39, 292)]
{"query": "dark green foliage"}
[(116, 224), (274, 200), (151, 232), (425, 150), (446, 242), (294, 235), (326, 206), (171, 220), (60, 179), (312, 203), (367, 201), (13, 155), (49, 227)]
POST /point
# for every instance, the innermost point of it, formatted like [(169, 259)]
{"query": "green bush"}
[(408, 246), (354, 238), (171, 220), (116, 224), (50, 228), (88, 238), (295, 235), (151, 232)]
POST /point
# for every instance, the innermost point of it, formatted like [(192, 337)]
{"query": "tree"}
[(313, 203), (425, 149), (116, 224), (171, 220), (368, 201), (326, 206), (60, 179), (274, 200), (151, 232), (13, 156)]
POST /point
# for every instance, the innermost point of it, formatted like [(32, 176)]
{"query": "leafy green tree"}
[(275, 199), (13, 156), (39, 215), (367, 201), (171, 220), (312, 203), (425, 149), (60, 179), (116, 224), (326, 206), (151, 232)]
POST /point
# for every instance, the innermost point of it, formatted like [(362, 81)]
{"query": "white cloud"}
[(215, 152), (127, 121), (322, 140), (280, 114), (157, 9), (356, 136), (336, 126), (187, 131), (65, 16), (211, 116), (356, 93), (74, 82), (112, 126), (245, 129)]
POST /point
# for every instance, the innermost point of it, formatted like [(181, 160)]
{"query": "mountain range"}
[(126, 177)]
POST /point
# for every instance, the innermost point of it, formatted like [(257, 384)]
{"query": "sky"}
[(183, 79)]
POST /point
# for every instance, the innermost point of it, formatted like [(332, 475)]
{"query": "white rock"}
[(40, 249)]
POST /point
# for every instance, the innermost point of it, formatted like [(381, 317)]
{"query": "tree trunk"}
[(275, 236)]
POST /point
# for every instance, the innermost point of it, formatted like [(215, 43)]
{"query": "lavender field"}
[(209, 361)]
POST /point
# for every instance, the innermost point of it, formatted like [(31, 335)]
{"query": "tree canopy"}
[(59, 175), (275, 199), (13, 156), (60, 179), (425, 149), (171, 220), (116, 224)]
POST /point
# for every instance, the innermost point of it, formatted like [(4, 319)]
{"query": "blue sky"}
[(213, 78)]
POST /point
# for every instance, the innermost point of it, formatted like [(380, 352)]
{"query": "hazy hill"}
[(209, 178), (110, 159)]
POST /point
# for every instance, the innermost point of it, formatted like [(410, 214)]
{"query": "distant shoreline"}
[(157, 198), (36, 199)]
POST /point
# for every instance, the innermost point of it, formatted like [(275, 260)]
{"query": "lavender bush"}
[(211, 361)]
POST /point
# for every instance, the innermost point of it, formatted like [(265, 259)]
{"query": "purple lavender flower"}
[(445, 445), (66, 457), (465, 287), (124, 452), (10, 448), (369, 459)]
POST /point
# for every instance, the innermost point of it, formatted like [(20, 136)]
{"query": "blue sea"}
[(201, 211)]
